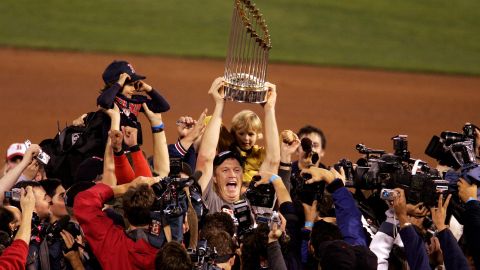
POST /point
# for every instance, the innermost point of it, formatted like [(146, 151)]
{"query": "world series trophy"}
[(247, 55)]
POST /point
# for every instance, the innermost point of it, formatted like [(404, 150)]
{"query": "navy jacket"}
[(471, 230)]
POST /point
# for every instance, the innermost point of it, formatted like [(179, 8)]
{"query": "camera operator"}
[(222, 174), (223, 244), (38, 247), (415, 250), (293, 257), (386, 242), (15, 256), (58, 237), (471, 218), (310, 143), (173, 256), (348, 218), (318, 142), (452, 254)]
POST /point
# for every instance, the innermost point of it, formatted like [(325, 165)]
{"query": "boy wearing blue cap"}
[(125, 88)]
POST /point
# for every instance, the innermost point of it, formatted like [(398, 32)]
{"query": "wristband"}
[(273, 178), (308, 224), (284, 164), (134, 148), (158, 128)]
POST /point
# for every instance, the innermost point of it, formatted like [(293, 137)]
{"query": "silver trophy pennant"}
[(247, 55)]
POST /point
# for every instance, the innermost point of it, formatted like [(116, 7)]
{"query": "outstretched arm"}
[(115, 138), (161, 160), (9, 179), (208, 147), (15, 256), (272, 146)]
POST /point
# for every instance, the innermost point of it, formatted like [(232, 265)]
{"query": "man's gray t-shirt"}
[(214, 202)]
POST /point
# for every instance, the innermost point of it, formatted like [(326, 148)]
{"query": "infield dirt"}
[(39, 88)]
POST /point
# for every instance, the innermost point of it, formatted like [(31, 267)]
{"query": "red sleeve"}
[(105, 238), (14, 256), (123, 170), (140, 164)]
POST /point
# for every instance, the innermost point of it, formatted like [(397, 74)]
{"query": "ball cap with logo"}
[(117, 67), (16, 150)]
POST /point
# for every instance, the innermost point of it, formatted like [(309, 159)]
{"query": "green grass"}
[(428, 35)]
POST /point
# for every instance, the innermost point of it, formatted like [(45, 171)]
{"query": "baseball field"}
[(362, 71)]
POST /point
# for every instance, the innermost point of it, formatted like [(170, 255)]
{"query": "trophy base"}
[(245, 88), (235, 93)]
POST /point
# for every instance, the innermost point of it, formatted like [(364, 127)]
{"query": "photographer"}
[(15, 256), (348, 216), (223, 244), (10, 178), (173, 256), (261, 249), (452, 254), (57, 234), (329, 241), (292, 226), (414, 245)]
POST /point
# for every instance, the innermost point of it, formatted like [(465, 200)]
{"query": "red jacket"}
[(112, 247), (15, 256)]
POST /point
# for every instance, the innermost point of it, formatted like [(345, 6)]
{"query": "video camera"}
[(307, 193), (51, 231), (245, 221), (203, 257), (379, 170), (169, 194), (449, 148)]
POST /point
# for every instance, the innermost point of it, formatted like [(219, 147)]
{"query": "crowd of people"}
[(223, 195)]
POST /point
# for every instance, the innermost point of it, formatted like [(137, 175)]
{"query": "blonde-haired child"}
[(246, 129)]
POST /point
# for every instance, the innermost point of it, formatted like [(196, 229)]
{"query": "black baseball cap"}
[(221, 157), (74, 190), (113, 71), (89, 169)]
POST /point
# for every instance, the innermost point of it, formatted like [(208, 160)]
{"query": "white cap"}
[(16, 149)]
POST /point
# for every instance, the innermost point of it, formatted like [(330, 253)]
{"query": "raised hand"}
[(439, 213), (154, 118), (289, 145), (271, 96), (123, 77), (216, 90), (27, 200), (129, 135), (116, 137)]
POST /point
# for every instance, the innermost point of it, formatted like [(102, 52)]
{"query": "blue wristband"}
[(273, 178), (308, 224), (158, 128)]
